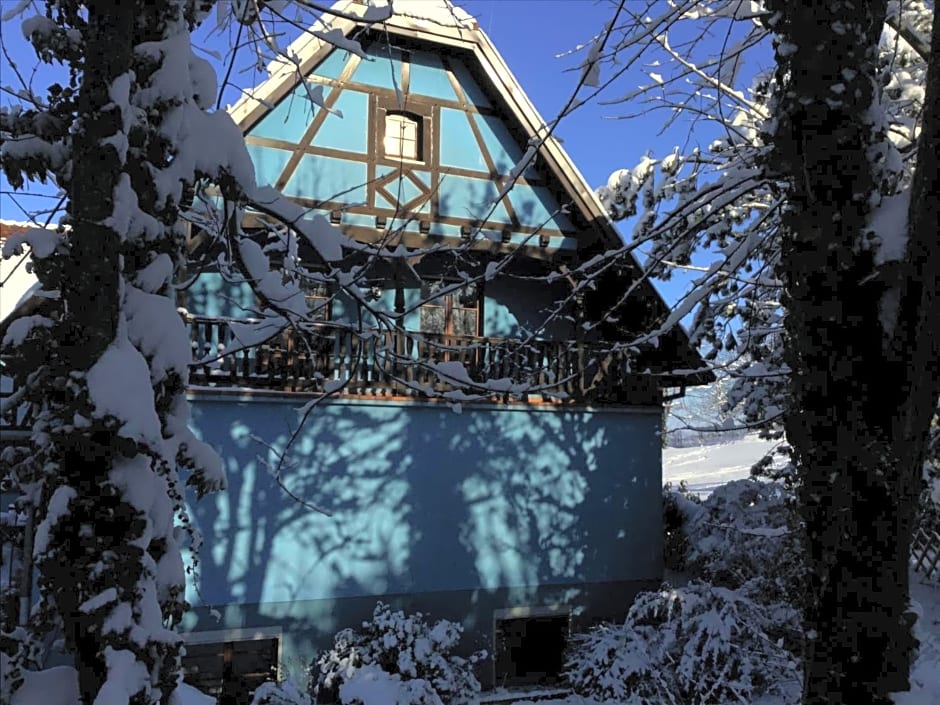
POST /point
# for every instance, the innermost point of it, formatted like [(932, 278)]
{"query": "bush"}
[(396, 659), (697, 645), (284, 693), (748, 532), (679, 506)]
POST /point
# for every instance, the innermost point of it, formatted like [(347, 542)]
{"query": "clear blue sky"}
[(530, 34)]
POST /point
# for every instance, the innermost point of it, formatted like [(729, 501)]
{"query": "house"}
[(493, 457), (517, 516)]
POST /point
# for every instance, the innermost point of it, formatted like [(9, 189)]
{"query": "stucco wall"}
[(494, 506)]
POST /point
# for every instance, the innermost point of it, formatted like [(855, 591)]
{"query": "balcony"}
[(400, 363)]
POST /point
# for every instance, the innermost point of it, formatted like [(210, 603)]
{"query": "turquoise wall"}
[(423, 498), (512, 308), (211, 295), (341, 173)]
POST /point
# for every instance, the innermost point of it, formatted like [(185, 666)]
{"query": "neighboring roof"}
[(17, 282), (8, 228)]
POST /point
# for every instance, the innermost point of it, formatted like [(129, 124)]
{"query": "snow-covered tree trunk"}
[(861, 282)]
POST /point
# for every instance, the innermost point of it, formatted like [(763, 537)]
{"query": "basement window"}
[(530, 649), (230, 671)]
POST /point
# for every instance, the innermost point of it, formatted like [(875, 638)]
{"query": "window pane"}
[(319, 308), (250, 663), (409, 150), (433, 319), (393, 146), (401, 137), (255, 661), (409, 131), (465, 321), (202, 667)]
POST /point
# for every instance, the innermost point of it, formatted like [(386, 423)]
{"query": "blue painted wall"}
[(212, 295), (341, 175), (512, 308), (426, 499)]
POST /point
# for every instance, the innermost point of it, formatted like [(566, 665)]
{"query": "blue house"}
[(493, 457)]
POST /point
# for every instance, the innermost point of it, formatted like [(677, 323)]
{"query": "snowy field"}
[(705, 467)]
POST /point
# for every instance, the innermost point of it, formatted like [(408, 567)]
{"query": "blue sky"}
[(530, 34)]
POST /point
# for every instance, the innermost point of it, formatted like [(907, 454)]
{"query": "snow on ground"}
[(706, 467), (925, 676)]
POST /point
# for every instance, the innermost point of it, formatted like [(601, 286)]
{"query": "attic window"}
[(403, 136)]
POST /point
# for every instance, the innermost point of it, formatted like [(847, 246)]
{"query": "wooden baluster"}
[(344, 356), (290, 361), (246, 367), (374, 370), (302, 367), (366, 359), (409, 353), (375, 363), (195, 373), (396, 361), (196, 344), (329, 359), (421, 372), (277, 361)]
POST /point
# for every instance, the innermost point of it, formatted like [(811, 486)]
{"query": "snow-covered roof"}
[(440, 12), (17, 281)]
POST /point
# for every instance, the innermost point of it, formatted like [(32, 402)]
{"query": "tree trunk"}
[(92, 302), (857, 434)]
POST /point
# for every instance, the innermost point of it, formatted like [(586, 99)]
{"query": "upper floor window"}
[(318, 299), (455, 312), (403, 136)]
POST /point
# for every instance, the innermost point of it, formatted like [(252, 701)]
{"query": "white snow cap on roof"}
[(442, 12)]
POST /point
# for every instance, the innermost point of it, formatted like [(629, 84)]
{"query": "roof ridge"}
[(440, 12)]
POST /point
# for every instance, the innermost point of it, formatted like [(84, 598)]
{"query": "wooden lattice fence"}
[(925, 551)]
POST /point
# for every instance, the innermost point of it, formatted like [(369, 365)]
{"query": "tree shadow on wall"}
[(422, 499)]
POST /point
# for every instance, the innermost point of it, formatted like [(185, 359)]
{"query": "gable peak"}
[(438, 12)]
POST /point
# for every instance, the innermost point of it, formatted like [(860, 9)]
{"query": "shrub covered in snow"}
[(747, 533), (284, 693), (679, 504), (396, 659), (697, 645)]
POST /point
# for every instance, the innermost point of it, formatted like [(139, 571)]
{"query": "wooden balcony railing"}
[(395, 363), (405, 363)]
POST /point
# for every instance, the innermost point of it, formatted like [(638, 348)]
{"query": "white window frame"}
[(402, 121)]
